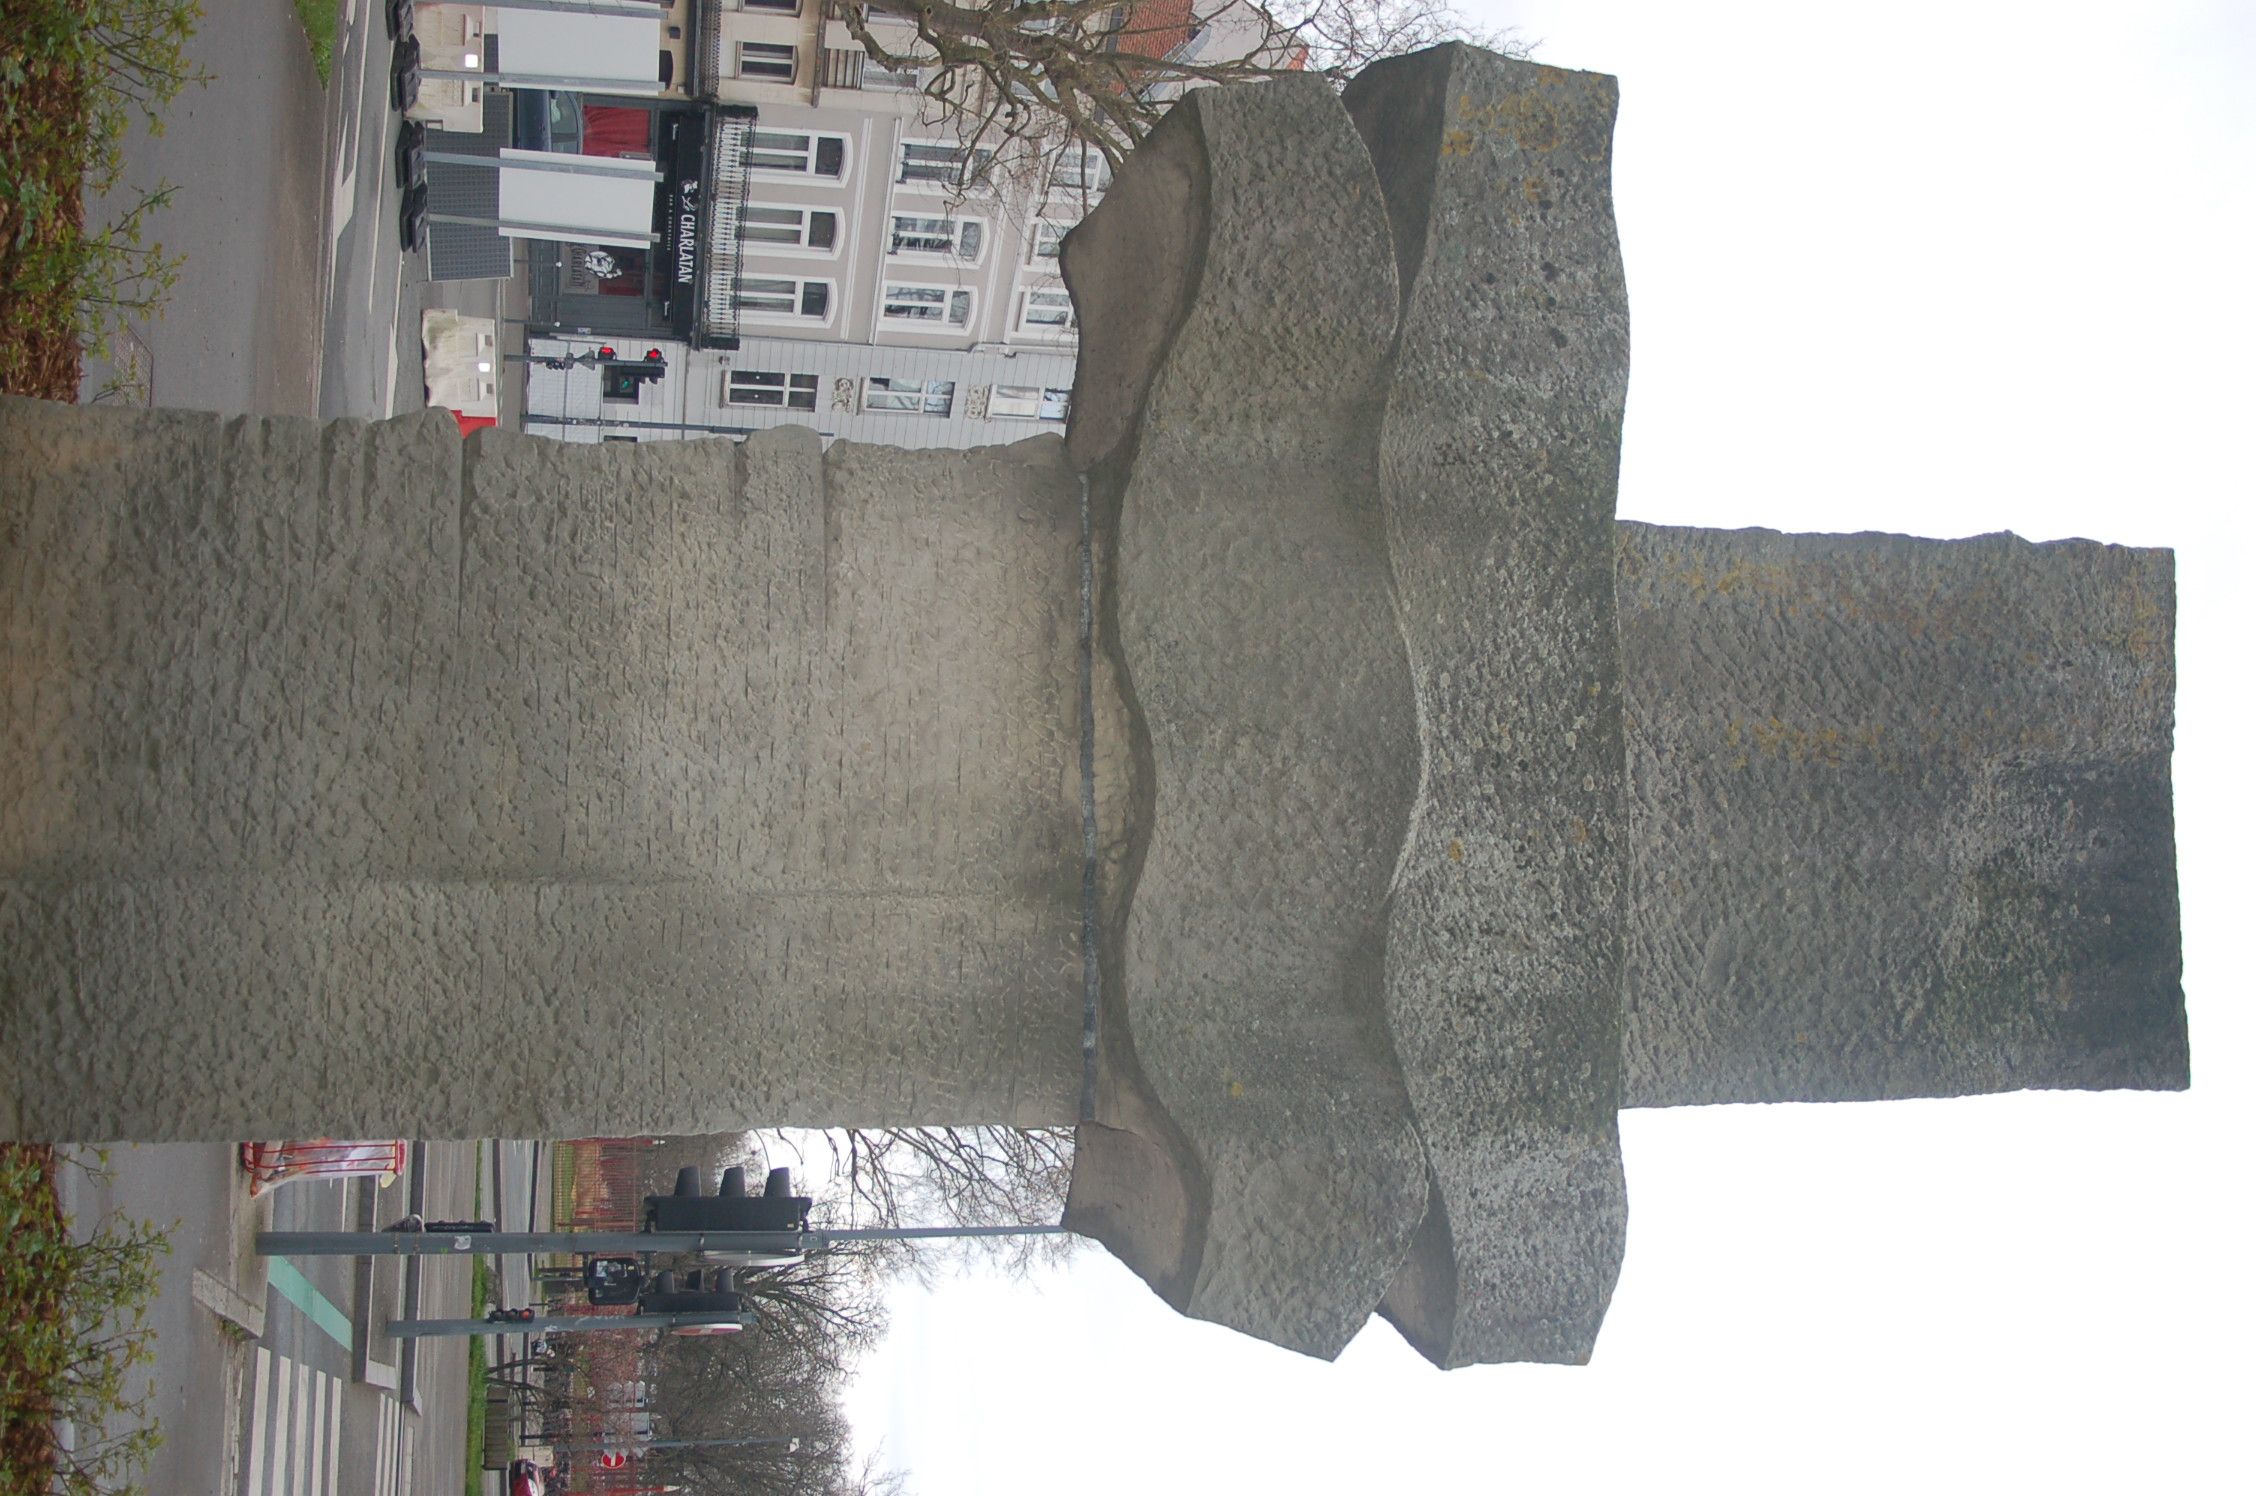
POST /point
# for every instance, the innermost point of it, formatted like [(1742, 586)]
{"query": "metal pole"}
[(583, 360), (630, 9), (637, 1446), (706, 427), (499, 1243), (624, 87), (566, 231), (633, 171), (413, 1329)]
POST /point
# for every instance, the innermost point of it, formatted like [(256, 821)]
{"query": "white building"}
[(828, 253)]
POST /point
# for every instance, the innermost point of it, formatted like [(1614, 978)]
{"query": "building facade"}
[(829, 251)]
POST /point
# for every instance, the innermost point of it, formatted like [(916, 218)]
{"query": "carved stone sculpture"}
[(1297, 779)]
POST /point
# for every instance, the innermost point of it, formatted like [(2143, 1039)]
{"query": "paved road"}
[(371, 336), (303, 1426)]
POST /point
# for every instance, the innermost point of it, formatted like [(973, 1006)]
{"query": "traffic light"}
[(607, 353), (689, 1208), (653, 365)]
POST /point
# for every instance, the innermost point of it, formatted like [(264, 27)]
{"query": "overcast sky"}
[(1940, 269)]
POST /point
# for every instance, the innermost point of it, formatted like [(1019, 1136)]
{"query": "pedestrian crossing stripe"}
[(293, 1441)]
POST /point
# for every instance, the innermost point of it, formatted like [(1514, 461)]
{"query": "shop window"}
[(1026, 402), (770, 62), (807, 153), (929, 306), (775, 226), (942, 163), (1080, 168), (1044, 314), (926, 397), (777, 390), (1048, 243), (780, 296), (958, 239)]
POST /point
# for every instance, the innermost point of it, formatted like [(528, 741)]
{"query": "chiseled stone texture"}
[(1250, 605), (1498, 470), (517, 788), (1900, 817)]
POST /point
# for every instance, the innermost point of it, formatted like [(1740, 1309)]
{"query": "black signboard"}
[(681, 234)]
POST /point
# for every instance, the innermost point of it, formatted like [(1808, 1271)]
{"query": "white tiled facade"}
[(960, 398)]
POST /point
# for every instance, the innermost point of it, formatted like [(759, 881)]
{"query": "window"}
[(801, 152), (943, 163), (1080, 168), (875, 75), (788, 7), (772, 62), (1026, 402), (778, 390), (627, 439), (782, 296), (927, 397), (1045, 313), (772, 225), (957, 239), (930, 306), (1049, 238)]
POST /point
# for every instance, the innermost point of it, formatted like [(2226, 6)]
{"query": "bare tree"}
[(940, 1176), (1052, 78)]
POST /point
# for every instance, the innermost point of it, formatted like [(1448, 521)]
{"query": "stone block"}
[(1900, 817), (1498, 470), (1265, 1139)]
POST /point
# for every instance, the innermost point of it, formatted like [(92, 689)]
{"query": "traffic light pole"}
[(594, 1243), (540, 1324)]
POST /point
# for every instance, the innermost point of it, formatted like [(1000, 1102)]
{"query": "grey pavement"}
[(245, 153)]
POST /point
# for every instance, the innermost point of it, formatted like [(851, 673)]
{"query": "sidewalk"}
[(241, 332)]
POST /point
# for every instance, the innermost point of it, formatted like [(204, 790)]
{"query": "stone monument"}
[(1297, 779)]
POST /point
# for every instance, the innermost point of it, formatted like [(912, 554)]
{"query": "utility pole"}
[(444, 1243)]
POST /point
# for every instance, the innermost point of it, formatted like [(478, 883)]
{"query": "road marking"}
[(337, 1387), (387, 1447), (257, 1477), (323, 1434), (293, 1285), (297, 1424), (301, 1414), (279, 1441), (391, 349)]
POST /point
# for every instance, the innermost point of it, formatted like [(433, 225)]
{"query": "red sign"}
[(611, 1459)]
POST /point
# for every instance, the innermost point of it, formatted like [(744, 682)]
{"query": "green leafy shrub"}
[(74, 76), (72, 1330)]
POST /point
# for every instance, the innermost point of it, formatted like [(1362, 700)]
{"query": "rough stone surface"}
[(1498, 470), (1900, 817), (1251, 608), (392, 779), (355, 780)]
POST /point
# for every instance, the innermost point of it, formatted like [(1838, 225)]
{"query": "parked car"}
[(527, 1479)]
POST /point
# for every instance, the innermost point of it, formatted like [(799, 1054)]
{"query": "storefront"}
[(619, 292)]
